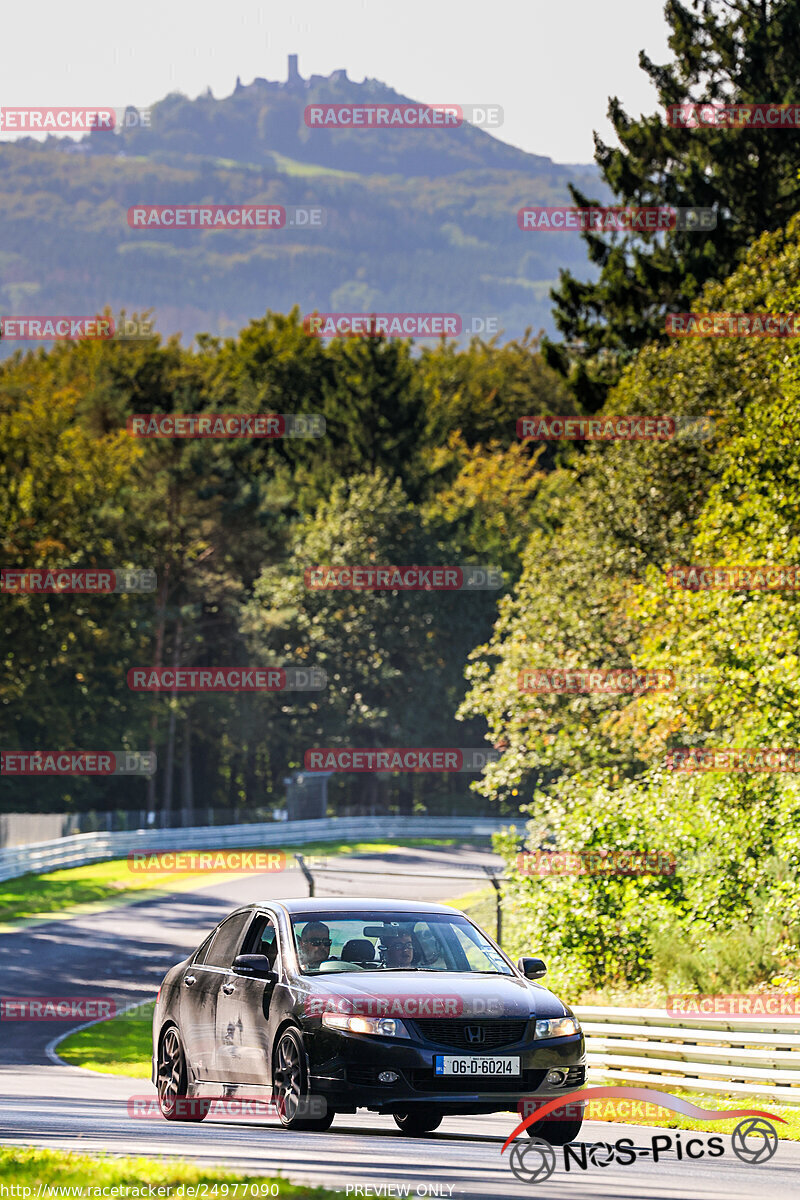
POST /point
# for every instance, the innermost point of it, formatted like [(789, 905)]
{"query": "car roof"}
[(334, 904)]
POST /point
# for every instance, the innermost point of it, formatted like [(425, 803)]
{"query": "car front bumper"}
[(345, 1070)]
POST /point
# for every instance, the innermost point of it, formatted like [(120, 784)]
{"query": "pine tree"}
[(742, 51)]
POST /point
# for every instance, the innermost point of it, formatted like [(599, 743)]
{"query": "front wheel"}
[(422, 1119), (290, 1086), (171, 1081), (557, 1133)]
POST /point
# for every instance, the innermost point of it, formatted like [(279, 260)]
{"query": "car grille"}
[(422, 1079), (575, 1077), (448, 1032)]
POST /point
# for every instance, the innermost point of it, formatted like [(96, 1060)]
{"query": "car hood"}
[(423, 994)]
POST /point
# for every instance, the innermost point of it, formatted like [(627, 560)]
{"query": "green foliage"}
[(394, 660), (225, 525), (731, 54), (594, 593)]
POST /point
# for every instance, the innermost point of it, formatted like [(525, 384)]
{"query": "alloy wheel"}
[(170, 1071), (288, 1077)]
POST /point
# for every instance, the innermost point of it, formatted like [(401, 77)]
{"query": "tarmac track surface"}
[(125, 952)]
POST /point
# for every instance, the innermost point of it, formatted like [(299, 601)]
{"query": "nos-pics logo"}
[(753, 1141)]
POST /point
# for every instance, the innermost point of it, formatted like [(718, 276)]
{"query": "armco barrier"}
[(750, 1056), (725, 1055), (96, 847)]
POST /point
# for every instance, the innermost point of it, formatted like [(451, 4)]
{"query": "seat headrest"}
[(358, 950)]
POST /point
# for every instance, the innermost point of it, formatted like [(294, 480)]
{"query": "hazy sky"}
[(551, 65)]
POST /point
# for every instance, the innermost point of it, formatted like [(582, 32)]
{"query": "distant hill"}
[(417, 220), (267, 117)]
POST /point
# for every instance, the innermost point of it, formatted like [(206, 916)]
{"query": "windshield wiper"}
[(431, 970)]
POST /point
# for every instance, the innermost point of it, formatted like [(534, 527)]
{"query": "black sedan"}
[(330, 1005)]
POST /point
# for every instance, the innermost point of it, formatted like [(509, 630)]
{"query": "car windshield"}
[(329, 942)]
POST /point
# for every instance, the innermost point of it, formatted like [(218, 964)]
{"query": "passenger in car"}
[(399, 949)]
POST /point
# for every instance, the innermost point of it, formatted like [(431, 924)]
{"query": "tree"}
[(64, 493), (489, 509), (594, 593), (394, 660), (730, 53)]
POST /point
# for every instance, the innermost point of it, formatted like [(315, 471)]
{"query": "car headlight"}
[(557, 1027), (385, 1026)]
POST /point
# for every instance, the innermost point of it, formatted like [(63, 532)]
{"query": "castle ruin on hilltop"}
[(294, 80)]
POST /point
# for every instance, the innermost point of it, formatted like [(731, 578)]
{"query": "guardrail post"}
[(498, 900), (309, 877)]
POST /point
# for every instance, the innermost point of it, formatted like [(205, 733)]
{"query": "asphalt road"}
[(125, 952)]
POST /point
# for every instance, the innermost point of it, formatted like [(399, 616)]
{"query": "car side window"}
[(225, 944), (263, 939), (199, 956)]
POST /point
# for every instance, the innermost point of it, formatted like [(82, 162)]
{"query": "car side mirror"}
[(255, 965), (532, 968)]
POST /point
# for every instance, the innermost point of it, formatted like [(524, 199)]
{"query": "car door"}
[(244, 1012), (200, 986)]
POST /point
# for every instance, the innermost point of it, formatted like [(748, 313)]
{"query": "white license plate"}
[(474, 1066)]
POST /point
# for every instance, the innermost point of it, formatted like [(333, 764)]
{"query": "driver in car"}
[(314, 945)]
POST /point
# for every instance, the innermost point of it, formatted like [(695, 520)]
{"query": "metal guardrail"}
[(752, 1056), (458, 871), (83, 848), (726, 1055)]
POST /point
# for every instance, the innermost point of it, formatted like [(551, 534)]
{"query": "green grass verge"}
[(119, 1046), (28, 1166), (480, 906), (106, 884), (607, 1110)]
